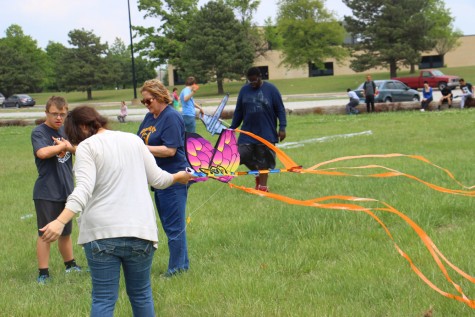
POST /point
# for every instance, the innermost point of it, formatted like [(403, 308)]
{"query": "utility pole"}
[(132, 53)]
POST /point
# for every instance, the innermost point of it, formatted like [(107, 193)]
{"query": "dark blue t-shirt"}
[(55, 175), (167, 129), (258, 109)]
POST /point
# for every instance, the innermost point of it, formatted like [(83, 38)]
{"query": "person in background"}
[(467, 92), (354, 102), (54, 162), (176, 99), (259, 106), (188, 104), (123, 112), (163, 131), (117, 224), (369, 91), (426, 96), (446, 97)]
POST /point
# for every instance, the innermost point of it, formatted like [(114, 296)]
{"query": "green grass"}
[(312, 85), (252, 256)]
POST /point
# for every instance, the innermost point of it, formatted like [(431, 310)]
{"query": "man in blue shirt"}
[(188, 104), (259, 106)]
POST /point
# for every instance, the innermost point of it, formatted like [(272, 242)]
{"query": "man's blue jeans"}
[(105, 257), (190, 123), (171, 205)]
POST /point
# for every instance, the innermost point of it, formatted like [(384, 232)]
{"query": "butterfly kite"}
[(221, 162)]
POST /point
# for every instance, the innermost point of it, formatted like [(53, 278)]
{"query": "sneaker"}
[(75, 268), (43, 279), (422, 110)]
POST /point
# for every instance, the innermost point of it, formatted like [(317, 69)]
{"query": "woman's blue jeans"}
[(105, 258), (171, 205)]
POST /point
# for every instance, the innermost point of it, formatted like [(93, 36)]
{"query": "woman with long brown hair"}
[(117, 224)]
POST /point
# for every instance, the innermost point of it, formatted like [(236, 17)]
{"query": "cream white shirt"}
[(113, 171)]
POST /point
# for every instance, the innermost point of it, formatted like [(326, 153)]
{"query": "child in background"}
[(176, 99), (123, 112)]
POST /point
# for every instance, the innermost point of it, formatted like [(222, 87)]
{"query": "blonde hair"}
[(156, 88)]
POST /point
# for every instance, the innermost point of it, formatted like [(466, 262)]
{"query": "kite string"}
[(188, 218)]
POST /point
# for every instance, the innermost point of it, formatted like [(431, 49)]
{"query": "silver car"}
[(18, 101), (2, 99), (390, 91)]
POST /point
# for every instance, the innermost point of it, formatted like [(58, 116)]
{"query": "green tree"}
[(244, 10), (443, 32), (55, 52), (164, 44), (83, 66), (220, 50), (310, 34), (273, 38), (118, 64), (23, 66), (388, 33)]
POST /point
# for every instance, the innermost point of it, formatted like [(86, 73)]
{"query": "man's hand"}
[(282, 135)]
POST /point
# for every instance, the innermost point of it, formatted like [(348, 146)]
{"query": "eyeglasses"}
[(57, 114), (147, 101)]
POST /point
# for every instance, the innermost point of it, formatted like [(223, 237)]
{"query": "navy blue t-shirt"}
[(258, 109), (55, 175), (167, 129)]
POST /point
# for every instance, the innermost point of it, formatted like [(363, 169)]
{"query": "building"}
[(270, 68)]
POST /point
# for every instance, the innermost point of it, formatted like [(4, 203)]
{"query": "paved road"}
[(292, 102)]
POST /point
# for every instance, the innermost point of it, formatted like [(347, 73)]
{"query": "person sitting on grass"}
[(123, 112), (426, 96), (446, 97), (354, 102)]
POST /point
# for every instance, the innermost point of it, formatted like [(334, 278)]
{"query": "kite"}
[(212, 123), (219, 162), (205, 160)]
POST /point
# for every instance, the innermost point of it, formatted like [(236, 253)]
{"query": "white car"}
[(2, 99)]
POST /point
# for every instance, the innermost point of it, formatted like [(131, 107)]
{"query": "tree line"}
[(219, 41)]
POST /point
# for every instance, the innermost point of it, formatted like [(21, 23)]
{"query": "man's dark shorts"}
[(47, 211), (256, 156)]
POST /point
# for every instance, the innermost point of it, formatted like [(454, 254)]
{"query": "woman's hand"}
[(52, 231), (182, 177)]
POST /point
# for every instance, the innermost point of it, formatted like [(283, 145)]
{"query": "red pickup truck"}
[(434, 77)]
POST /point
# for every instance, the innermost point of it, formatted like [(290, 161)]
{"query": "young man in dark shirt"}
[(259, 106), (53, 159)]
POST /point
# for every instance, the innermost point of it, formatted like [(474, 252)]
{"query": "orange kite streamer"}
[(349, 203)]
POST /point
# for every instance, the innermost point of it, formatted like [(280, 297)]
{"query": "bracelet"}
[(60, 222)]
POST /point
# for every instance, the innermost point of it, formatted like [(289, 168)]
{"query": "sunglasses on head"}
[(147, 101)]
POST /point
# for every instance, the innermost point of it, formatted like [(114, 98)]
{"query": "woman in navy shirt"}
[(163, 131)]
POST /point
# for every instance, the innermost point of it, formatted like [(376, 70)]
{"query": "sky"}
[(51, 20)]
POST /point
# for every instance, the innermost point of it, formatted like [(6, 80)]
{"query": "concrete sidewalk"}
[(330, 103)]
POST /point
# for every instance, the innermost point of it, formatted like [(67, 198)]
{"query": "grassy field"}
[(252, 256), (286, 86)]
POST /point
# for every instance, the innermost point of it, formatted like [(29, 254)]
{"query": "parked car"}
[(434, 77), (19, 101), (390, 91), (2, 99)]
